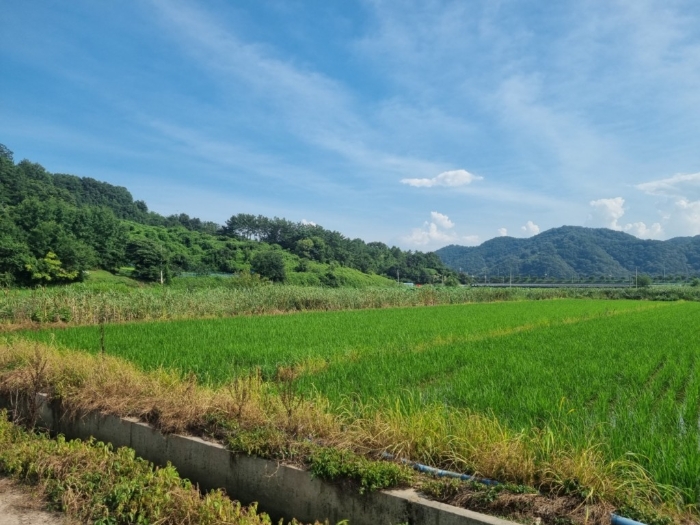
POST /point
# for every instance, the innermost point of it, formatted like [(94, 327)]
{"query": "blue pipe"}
[(439, 472), (614, 518), (619, 520)]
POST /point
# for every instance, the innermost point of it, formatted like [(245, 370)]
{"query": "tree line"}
[(54, 227)]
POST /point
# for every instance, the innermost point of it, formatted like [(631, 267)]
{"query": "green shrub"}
[(334, 464)]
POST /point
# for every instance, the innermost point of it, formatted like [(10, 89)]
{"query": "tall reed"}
[(84, 305)]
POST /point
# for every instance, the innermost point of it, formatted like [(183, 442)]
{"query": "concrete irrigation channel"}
[(282, 491)]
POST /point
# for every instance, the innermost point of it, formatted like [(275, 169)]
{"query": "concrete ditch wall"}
[(282, 491)]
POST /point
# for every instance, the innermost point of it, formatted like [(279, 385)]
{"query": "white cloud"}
[(433, 231), (307, 223), (441, 220), (680, 213), (471, 239), (690, 213), (530, 228), (429, 233), (502, 232), (609, 211), (641, 230), (670, 187), (450, 179)]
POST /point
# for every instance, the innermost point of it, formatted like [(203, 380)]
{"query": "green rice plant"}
[(628, 381), (217, 349), (621, 373)]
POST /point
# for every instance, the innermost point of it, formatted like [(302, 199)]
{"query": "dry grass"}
[(454, 439)]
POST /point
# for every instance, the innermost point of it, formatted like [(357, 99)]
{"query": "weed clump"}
[(333, 464)]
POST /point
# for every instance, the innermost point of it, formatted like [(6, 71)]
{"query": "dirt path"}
[(18, 506)]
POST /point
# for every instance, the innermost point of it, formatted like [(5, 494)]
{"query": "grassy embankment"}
[(552, 394)]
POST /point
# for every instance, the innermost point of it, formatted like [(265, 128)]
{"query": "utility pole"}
[(161, 263), (397, 276)]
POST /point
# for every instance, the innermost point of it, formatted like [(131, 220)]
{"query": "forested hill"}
[(576, 251), (54, 227)]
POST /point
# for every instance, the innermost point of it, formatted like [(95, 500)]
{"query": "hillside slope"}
[(54, 227)]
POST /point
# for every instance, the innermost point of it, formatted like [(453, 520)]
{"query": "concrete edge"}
[(282, 491)]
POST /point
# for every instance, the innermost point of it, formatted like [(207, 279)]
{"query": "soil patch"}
[(19, 506)]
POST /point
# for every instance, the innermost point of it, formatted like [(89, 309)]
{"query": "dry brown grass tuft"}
[(85, 384)]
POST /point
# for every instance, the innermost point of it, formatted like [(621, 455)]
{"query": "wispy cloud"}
[(502, 232), (315, 108), (450, 179), (676, 186), (548, 105)]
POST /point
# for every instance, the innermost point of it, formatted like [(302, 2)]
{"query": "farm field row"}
[(217, 349), (621, 373), (630, 382)]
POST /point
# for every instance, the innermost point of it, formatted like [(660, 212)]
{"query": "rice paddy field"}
[(622, 374)]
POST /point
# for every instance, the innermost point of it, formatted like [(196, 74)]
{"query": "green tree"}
[(304, 247), (150, 260), (269, 264), (644, 280), (5, 153), (15, 260), (451, 280), (50, 269)]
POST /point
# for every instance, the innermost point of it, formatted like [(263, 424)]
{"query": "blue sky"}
[(418, 124)]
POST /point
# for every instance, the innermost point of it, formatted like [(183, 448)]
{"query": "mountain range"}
[(575, 251)]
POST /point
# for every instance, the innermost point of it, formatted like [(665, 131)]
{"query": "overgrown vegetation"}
[(194, 298), (253, 414), (93, 483)]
